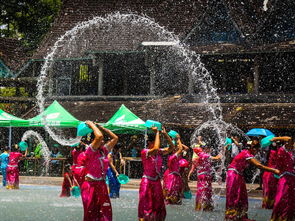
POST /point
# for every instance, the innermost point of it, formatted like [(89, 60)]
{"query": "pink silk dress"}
[(236, 192), (284, 206), (270, 183), (151, 206), (78, 166), (66, 186), (95, 197), (12, 171), (204, 185), (172, 181)]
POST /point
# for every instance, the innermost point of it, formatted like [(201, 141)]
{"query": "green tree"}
[(27, 20)]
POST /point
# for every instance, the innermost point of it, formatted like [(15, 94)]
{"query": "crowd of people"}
[(154, 196), (98, 157)]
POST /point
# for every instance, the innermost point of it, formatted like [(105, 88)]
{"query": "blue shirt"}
[(133, 152), (55, 155), (4, 158)]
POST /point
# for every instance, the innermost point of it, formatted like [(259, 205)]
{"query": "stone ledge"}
[(133, 184)]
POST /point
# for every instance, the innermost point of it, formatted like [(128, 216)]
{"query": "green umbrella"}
[(125, 122), (54, 115), (8, 120)]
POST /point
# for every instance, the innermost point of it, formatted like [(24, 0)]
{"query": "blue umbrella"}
[(259, 132)]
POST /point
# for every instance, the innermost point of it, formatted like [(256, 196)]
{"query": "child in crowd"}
[(55, 164), (115, 162), (69, 182), (4, 159)]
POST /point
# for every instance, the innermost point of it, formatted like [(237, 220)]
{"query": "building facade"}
[(248, 47)]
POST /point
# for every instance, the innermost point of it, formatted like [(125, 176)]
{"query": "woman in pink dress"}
[(77, 167), (151, 206), (198, 146), (270, 183), (205, 177), (172, 181), (236, 192), (94, 191), (12, 171), (80, 170), (284, 206)]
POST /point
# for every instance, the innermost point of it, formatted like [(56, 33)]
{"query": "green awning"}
[(54, 115), (125, 122), (8, 120)]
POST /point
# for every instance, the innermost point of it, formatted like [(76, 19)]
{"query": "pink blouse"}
[(204, 164), (173, 163), (240, 162), (151, 164), (81, 159), (272, 161), (96, 162), (75, 154), (14, 158)]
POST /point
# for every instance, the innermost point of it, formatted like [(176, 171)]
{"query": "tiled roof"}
[(181, 17), (12, 53), (176, 16)]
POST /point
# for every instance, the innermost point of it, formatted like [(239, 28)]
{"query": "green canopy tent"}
[(125, 122), (8, 120), (54, 115)]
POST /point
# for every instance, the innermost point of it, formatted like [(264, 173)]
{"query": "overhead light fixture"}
[(159, 43)]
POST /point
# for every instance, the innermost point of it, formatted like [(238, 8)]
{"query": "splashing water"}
[(100, 33), (44, 147), (257, 173)]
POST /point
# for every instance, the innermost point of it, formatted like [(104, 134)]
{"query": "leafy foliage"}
[(28, 20)]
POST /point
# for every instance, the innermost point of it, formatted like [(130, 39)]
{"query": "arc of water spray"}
[(71, 34), (44, 147), (198, 72)]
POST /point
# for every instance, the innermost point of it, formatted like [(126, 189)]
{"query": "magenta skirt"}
[(96, 201), (79, 174), (12, 177), (284, 206), (172, 188), (204, 193), (151, 206), (270, 184), (236, 197)]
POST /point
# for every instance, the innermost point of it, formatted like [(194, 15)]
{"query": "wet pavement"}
[(42, 202)]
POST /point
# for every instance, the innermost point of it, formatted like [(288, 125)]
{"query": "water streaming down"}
[(100, 33), (44, 147)]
